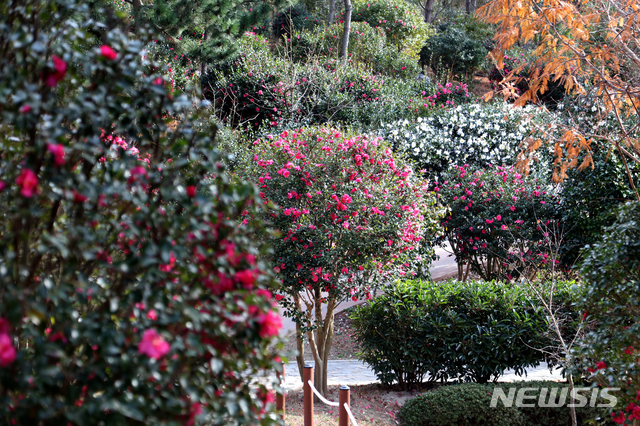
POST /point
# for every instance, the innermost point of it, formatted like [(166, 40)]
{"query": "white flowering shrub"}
[(474, 134)]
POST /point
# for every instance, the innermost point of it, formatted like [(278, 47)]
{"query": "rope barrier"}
[(350, 414), (326, 401)]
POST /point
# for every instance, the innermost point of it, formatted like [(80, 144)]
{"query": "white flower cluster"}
[(474, 134)]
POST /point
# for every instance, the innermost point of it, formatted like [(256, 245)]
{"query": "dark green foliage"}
[(469, 405), (589, 201), (454, 51), (451, 330), (293, 20), (611, 270)]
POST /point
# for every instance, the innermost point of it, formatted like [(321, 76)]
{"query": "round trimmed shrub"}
[(465, 404), (450, 330), (470, 404)]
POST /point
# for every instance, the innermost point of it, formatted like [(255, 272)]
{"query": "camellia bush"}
[(129, 291), (351, 218), (473, 134), (498, 222)]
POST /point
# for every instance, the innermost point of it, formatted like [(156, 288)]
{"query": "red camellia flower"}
[(28, 182), (153, 345), (601, 365), (78, 197), (270, 324), (3, 185), (158, 81), (58, 153), (108, 52), (59, 71), (619, 418), (7, 350), (191, 191)]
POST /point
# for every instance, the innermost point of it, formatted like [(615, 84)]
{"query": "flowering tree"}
[(351, 218), (497, 222), (128, 294)]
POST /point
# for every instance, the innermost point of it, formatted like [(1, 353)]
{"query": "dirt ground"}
[(371, 405)]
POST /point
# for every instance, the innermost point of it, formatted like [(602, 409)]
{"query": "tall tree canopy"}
[(593, 48)]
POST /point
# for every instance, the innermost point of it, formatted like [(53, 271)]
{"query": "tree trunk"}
[(332, 11), (203, 65), (320, 339), (428, 11), (347, 31), (467, 6), (136, 10), (299, 342)]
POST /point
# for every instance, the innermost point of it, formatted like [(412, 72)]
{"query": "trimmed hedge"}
[(452, 330), (469, 405)]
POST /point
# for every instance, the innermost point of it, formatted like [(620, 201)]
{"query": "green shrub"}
[(469, 404), (467, 331), (400, 20), (129, 290), (464, 404), (453, 52), (367, 45)]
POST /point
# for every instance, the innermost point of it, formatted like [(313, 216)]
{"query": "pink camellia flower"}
[(57, 151), (191, 191), (59, 71), (28, 182), (247, 278), (7, 350), (25, 109), (108, 53), (270, 324), (153, 345), (158, 81), (152, 315), (3, 185)]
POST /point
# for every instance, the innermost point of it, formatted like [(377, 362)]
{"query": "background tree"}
[(204, 30), (129, 293), (591, 48)]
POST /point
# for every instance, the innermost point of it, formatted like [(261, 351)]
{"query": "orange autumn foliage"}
[(592, 47)]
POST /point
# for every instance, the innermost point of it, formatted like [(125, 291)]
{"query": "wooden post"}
[(345, 398), (307, 376), (280, 395)]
